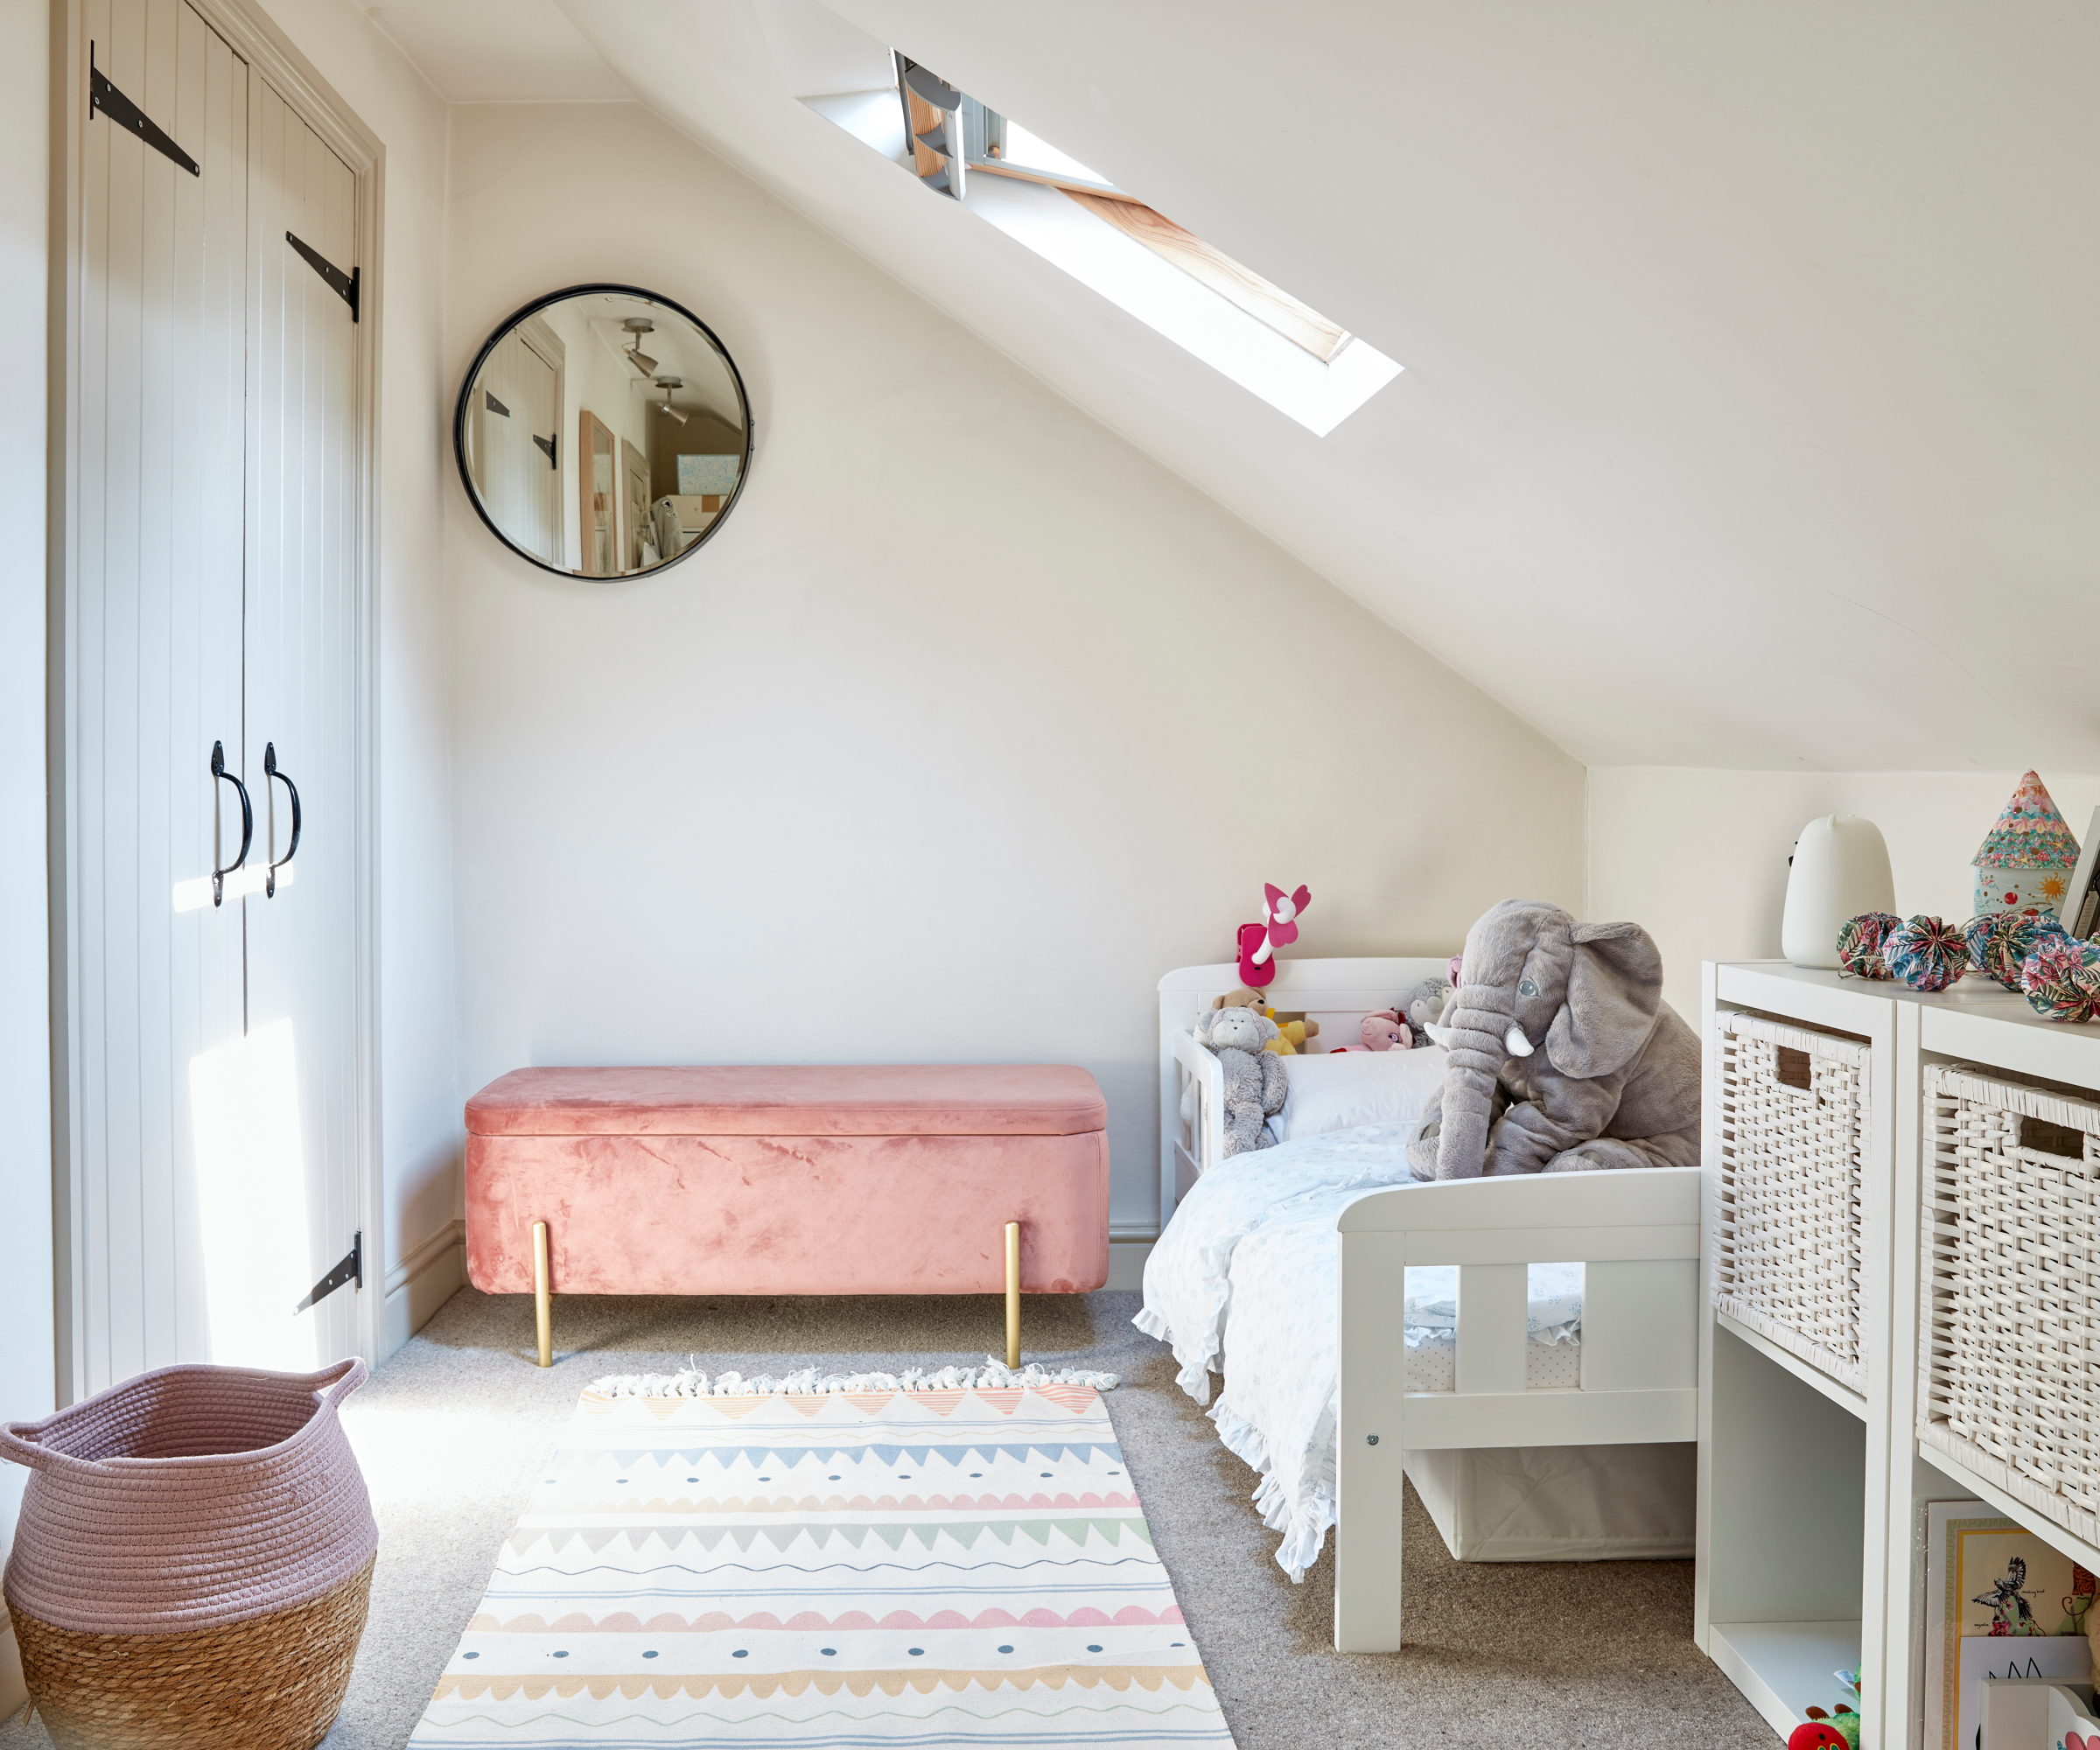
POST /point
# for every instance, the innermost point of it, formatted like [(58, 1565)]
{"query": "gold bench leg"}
[(542, 1295), (1013, 1294)]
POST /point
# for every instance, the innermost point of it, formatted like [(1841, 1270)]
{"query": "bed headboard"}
[(1336, 993)]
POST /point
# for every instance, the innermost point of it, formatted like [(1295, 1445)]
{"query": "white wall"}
[(421, 1124), (27, 1374), (971, 723), (1700, 857)]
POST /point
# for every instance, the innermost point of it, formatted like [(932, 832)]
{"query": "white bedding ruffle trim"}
[(691, 1382), (1305, 1523), (1195, 1377)]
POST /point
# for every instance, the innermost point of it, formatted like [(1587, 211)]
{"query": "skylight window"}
[(1021, 147), (1240, 324)]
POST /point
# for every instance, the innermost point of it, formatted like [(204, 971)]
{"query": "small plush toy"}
[(2061, 978), (1241, 999), (1860, 941), (1926, 953), (1255, 1080), (1424, 1005), (1821, 1731), (1385, 1030), (1293, 1036)]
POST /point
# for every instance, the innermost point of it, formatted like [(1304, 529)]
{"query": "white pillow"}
[(1341, 1090)]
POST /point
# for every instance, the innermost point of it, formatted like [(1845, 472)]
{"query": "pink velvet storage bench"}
[(878, 1178)]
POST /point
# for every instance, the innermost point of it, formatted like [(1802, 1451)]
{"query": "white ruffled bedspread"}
[(1243, 1282)]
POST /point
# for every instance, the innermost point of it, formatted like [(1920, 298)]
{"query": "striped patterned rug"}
[(857, 1568)]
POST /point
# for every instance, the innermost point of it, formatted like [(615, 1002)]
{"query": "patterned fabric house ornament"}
[(2027, 858)]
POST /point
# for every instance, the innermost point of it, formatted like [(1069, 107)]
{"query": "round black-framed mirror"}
[(603, 431)]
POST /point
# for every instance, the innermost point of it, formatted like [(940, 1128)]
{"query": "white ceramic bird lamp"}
[(1840, 869)]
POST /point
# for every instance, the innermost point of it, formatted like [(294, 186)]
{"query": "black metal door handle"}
[(269, 772), (248, 821)]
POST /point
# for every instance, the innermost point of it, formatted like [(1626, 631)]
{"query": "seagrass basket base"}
[(270, 1682)]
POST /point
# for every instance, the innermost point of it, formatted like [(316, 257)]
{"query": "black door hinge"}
[(105, 99), (351, 1269), (344, 285)]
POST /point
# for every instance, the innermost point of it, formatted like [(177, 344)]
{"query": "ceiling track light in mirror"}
[(644, 480), (639, 325)]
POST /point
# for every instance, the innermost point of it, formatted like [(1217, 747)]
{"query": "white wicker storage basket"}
[(1786, 1222), (2010, 1385)]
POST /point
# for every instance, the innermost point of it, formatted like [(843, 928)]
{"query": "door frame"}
[(269, 54)]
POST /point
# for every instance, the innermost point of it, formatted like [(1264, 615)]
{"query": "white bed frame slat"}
[(1636, 1233)]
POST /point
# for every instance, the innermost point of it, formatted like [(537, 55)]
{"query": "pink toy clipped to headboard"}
[(1279, 928)]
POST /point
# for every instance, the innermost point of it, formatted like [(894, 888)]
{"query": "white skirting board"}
[(430, 1274), (1560, 1503), (1126, 1262)]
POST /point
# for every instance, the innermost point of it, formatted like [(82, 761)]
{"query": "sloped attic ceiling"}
[(1749, 409)]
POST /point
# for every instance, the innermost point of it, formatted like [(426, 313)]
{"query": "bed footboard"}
[(1635, 1232)]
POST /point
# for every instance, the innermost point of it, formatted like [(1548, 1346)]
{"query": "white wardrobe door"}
[(519, 480), (302, 694), (154, 674)]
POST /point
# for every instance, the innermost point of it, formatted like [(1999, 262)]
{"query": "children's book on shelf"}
[(2000, 1602)]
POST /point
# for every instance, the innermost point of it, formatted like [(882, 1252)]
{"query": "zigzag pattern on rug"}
[(840, 1567), (691, 1382)]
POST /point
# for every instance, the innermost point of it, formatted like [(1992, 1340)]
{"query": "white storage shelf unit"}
[(1812, 1476)]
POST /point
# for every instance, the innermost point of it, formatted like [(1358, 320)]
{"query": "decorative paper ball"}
[(1999, 942), (1860, 943), (1926, 953), (2061, 978)]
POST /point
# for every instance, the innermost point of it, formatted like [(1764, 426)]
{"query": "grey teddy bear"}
[(1564, 1058), (1424, 1005), (1255, 1080)]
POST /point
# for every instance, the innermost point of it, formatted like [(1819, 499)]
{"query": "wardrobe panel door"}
[(303, 701), (153, 672), (520, 481)]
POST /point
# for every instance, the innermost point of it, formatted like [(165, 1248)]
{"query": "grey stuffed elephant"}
[(1255, 1080), (1565, 1023)]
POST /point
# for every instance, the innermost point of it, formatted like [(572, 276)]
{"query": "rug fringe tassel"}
[(691, 1382)]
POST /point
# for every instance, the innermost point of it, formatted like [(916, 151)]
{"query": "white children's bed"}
[(1485, 1335)]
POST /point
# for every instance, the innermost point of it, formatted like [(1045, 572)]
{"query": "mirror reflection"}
[(602, 432)]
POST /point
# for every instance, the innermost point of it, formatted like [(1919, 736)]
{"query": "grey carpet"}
[(1568, 1654)]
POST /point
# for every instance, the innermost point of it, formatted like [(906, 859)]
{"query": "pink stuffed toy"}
[(1279, 928), (1385, 1030)]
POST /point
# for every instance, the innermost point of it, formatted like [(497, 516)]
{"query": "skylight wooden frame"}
[(1211, 268)]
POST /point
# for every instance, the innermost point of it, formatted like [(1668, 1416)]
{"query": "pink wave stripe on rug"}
[(852, 1569)]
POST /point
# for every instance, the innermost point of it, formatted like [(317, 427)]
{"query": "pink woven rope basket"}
[(190, 1497), (195, 1560)]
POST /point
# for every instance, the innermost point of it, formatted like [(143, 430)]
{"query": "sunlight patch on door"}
[(251, 1196)]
